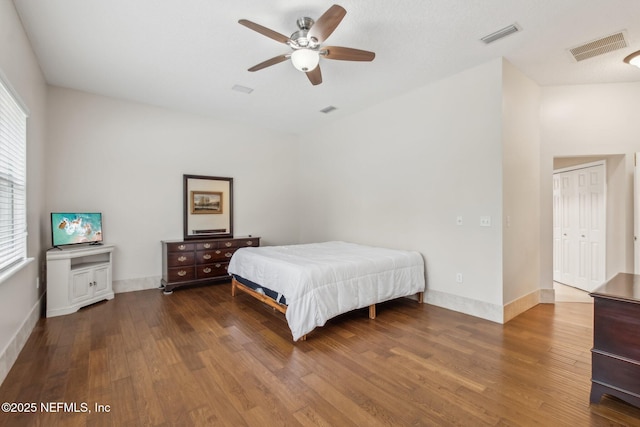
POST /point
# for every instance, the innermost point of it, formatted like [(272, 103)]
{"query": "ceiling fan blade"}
[(347, 54), (269, 62), (264, 31), (328, 22), (315, 76)]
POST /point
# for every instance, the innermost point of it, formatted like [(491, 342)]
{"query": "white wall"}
[(127, 160), (591, 120), (521, 186), (19, 298), (398, 174)]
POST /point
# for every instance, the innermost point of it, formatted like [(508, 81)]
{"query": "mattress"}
[(323, 280), (279, 298)]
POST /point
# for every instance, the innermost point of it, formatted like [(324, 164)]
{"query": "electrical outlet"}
[(459, 220), (459, 278), (485, 221)]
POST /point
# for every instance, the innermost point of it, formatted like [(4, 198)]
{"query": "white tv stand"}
[(78, 276)]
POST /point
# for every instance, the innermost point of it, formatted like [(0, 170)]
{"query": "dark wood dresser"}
[(616, 339), (195, 262)]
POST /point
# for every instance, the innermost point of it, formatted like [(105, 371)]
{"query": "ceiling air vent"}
[(501, 34), (599, 47), (242, 89), (328, 109)]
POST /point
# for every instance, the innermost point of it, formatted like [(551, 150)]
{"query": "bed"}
[(312, 283)]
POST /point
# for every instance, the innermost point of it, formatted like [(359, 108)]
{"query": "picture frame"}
[(206, 202)]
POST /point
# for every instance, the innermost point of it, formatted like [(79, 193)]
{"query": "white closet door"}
[(557, 229), (591, 224), (568, 223), (582, 213)]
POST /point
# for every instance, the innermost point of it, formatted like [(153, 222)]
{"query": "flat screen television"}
[(72, 228)]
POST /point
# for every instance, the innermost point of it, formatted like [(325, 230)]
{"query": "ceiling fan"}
[(306, 44)]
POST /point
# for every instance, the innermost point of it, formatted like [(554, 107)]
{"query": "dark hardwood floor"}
[(200, 357)]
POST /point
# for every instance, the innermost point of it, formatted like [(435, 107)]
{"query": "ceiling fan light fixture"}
[(305, 60), (633, 59)]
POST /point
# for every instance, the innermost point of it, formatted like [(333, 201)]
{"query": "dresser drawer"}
[(212, 270), (248, 242), (205, 246), (611, 370), (231, 243), (180, 247), (181, 274), (177, 259), (616, 327), (207, 257)]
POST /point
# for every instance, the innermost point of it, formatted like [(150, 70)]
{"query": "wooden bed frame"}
[(235, 286)]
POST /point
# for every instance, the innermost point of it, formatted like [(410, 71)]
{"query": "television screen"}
[(74, 228)]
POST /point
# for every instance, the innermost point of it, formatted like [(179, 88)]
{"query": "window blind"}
[(13, 188)]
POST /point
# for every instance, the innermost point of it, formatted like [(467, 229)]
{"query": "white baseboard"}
[(10, 353), (487, 311), (469, 306), (547, 296), (140, 284)]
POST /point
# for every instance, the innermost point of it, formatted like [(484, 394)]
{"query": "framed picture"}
[(206, 202)]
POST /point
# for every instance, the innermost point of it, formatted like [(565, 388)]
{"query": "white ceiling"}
[(187, 55)]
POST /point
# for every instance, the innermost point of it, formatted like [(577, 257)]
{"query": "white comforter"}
[(323, 280)]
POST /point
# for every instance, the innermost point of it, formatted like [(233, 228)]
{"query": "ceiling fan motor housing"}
[(299, 38), (305, 23)]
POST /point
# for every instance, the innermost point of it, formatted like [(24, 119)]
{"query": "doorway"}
[(579, 225)]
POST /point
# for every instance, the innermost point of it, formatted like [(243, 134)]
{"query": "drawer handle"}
[(218, 252), (228, 244), (217, 265), (182, 273), (207, 245), (229, 254), (249, 243), (182, 247), (207, 270), (182, 258), (206, 256)]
